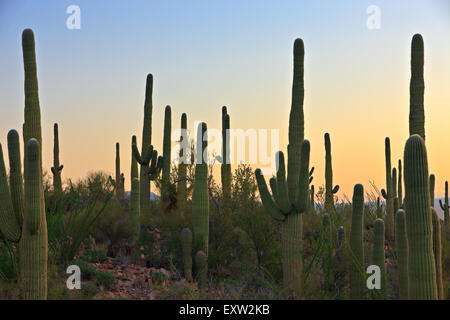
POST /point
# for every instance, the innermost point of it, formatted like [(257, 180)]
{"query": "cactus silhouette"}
[(379, 254), (134, 172), (416, 88), (357, 281), (329, 189), (388, 192), (57, 167), (226, 161), (419, 228), (401, 243), (119, 182), (399, 185), (395, 201), (445, 207), (437, 250), (432, 183), (182, 165), (165, 178), (200, 195), (291, 195), (186, 248)]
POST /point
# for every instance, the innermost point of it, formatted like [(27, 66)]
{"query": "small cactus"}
[(57, 168), (165, 177), (182, 166), (329, 189), (201, 266), (445, 207), (135, 210), (437, 250), (186, 248), (432, 183), (226, 175), (388, 193), (119, 182), (379, 254)]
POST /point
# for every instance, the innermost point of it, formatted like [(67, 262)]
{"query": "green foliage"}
[(106, 280), (94, 255)]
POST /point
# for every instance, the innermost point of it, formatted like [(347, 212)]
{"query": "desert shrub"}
[(106, 279), (94, 255), (88, 271)]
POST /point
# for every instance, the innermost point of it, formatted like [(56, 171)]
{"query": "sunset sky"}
[(206, 54)]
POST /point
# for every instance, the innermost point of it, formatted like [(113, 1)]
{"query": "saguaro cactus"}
[(329, 189), (379, 254), (186, 248), (32, 124), (292, 199), (416, 88), (445, 207), (388, 194), (394, 192), (401, 242), (432, 183), (379, 210), (165, 178), (182, 165), (226, 161), (437, 250), (146, 143), (357, 281), (134, 172), (57, 168), (200, 195), (312, 203), (15, 176), (202, 269), (135, 211), (419, 228), (120, 179)]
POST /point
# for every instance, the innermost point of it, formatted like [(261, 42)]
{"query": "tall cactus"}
[(399, 185), (145, 150), (445, 207), (437, 250), (57, 168), (395, 200), (120, 179), (379, 255), (432, 184), (135, 222), (329, 189), (401, 242), (32, 123), (226, 163), (182, 165), (387, 193), (134, 172), (165, 178), (200, 195), (417, 88), (419, 228), (357, 282), (186, 248)]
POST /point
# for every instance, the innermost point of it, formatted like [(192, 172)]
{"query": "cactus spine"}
[(226, 163), (182, 166), (445, 207), (357, 281), (437, 250), (33, 245), (379, 255), (329, 189), (57, 168), (401, 242), (419, 228), (388, 194), (186, 248), (165, 178), (135, 211), (202, 269), (416, 88), (200, 196)]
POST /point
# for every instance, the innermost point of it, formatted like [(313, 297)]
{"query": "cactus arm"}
[(136, 154), (266, 198), (273, 188), (8, 221), (15, 175), (441, 205), (335, 189), (283, 200), (301, 201)]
